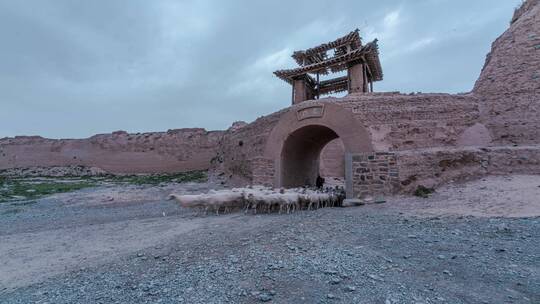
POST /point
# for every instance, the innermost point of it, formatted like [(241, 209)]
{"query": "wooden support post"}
[(365, 83), (356, 78), (318, 86), (300, 90), (292, 97)]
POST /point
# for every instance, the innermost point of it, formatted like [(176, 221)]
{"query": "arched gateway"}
[(301, 153), (295, 144), (293, 149)]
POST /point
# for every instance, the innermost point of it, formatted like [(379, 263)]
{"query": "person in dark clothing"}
[(319, 183)]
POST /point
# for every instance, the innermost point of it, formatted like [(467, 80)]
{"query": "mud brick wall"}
[(414, 121), (374, 174)]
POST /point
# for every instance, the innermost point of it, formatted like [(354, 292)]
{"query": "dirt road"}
[(468, 243)]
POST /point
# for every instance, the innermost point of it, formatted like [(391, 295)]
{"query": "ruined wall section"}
[(240, 147), (508, 97), (396, 122), (434, 167), (119, 152), (509, 85), (399, 122), (512, 65)]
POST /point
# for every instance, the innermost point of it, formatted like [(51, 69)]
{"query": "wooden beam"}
[(365, 81), (318, 86)]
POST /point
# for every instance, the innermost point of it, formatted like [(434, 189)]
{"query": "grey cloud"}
[(75, 68)]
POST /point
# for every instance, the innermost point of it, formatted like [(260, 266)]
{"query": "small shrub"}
[(423, 191)]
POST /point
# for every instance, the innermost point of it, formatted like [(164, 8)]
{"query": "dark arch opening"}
[(301, 153)]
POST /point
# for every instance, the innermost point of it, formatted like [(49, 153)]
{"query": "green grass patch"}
[(15, 189), (25, 189), (155, 179)]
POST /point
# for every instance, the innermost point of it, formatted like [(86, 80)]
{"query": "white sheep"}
[(189, 201), (260, 198)]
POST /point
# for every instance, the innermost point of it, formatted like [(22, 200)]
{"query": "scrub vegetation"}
[(14, 189)]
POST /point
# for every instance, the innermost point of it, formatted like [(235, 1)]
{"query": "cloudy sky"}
[(73, 68)]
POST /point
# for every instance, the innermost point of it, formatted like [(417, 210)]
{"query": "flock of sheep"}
[(262, 199)]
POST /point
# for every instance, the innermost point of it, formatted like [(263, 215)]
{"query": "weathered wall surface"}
[(403, 122), (119, 152), (239, 147), (383, 173), (433, 167), (395, 122), (509, 85), (332, 161), (512, 65), (373, 174)]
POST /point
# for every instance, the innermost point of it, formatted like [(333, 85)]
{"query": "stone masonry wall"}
[(374, 174)]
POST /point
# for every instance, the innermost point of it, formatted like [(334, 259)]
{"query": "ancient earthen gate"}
[(394, 142), (294, 146), (296, 142)]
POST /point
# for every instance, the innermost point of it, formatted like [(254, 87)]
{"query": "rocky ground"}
[(467, 243)]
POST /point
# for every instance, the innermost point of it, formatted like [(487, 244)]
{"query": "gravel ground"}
[(372, 254)]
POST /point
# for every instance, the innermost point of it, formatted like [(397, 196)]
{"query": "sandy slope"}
[(495, 196)]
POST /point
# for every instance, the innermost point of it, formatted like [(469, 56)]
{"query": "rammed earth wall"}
[(119, 152)]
